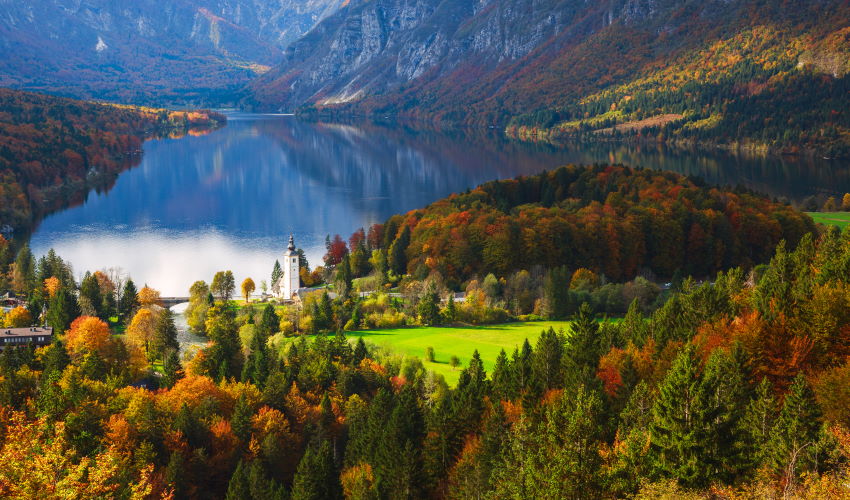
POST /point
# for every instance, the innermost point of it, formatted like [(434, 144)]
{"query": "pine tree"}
[(175, 474), (428, 308), (796, 431), (546, 364), (277, 272), (165, 336), (256, 368), (583, 349), (450, 312), (678, 444), (397, 254), (238, 488), (503, 386), (316, 477), (62, 310), (129, 301), (360, 352), (172, 369), (269, 322), (757, 425), (241, 419)]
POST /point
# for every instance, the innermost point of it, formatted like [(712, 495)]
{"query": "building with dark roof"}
[(38, 335)]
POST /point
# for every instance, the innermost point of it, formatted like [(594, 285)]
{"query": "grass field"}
[(840, 219), (457, 341)]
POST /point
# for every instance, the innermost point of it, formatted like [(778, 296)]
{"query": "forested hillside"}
[(735, 388), (613, 220), (54, 150), (767, 75)]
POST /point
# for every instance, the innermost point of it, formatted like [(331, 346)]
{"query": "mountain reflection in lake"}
[(229, 200)]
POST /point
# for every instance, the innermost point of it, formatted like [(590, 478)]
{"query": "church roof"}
[(290, 250)]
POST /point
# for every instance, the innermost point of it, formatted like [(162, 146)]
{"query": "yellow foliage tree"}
[(87, 334), (18, 317), (38, 462), (583, 279), (845, 202), (248, 288), (148, 297), (52, 285), (142, 329)]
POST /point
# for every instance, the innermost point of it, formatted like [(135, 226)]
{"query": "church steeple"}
[(291, 248)]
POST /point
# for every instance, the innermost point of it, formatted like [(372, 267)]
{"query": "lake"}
[(230, 199)]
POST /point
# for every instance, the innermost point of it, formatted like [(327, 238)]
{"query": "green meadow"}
[(840, 219), (457, 341)]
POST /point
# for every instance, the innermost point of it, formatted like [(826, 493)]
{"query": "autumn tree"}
[(88, 334), (142, 330), (18, 317), (247, 288)]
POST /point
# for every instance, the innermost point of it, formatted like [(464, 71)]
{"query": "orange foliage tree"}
[(87, 334)]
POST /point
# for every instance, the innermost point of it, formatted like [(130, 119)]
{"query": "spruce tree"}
[(756, 425), (397, 254), (129, 301), (240, 422), (429, 308), (277, 272), (172, 369), (316, 477), (795, 434), (678, 444), (238, 488), (165, 336), (360, 352)]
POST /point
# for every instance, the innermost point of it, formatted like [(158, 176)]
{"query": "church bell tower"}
[(291, 271)]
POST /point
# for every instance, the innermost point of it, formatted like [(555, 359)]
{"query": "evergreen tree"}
[(397, 255), (679, 446), (165, 336), (360, 352), (56, 357), (172, 369), (316, 477), (556, 291), (428, 308), (256, 368), (175, 474), (240, 422), (269, 322), (128, 302), (583, 349), (450, 312), (796, 432), (546, 364), (63, 309), (757, 425), (277, 273), (90, 290), (239, 488)]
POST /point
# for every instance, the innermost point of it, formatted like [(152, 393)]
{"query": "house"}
[(38, 335)]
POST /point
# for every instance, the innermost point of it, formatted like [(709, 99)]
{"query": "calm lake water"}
[(229, 199)]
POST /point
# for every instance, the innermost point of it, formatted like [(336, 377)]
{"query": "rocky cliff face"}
[(147, 50), (493, 58)]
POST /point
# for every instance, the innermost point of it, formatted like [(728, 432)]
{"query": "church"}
[(289, 283)]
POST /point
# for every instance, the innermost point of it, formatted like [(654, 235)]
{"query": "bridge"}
[(173, 301)]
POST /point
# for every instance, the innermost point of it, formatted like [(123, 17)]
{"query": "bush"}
[(429, 354)]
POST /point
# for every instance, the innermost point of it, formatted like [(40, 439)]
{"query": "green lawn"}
[(840, 219), (457, 341)]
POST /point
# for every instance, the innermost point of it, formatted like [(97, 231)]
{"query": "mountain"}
[(146, 50), (541, 63)]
